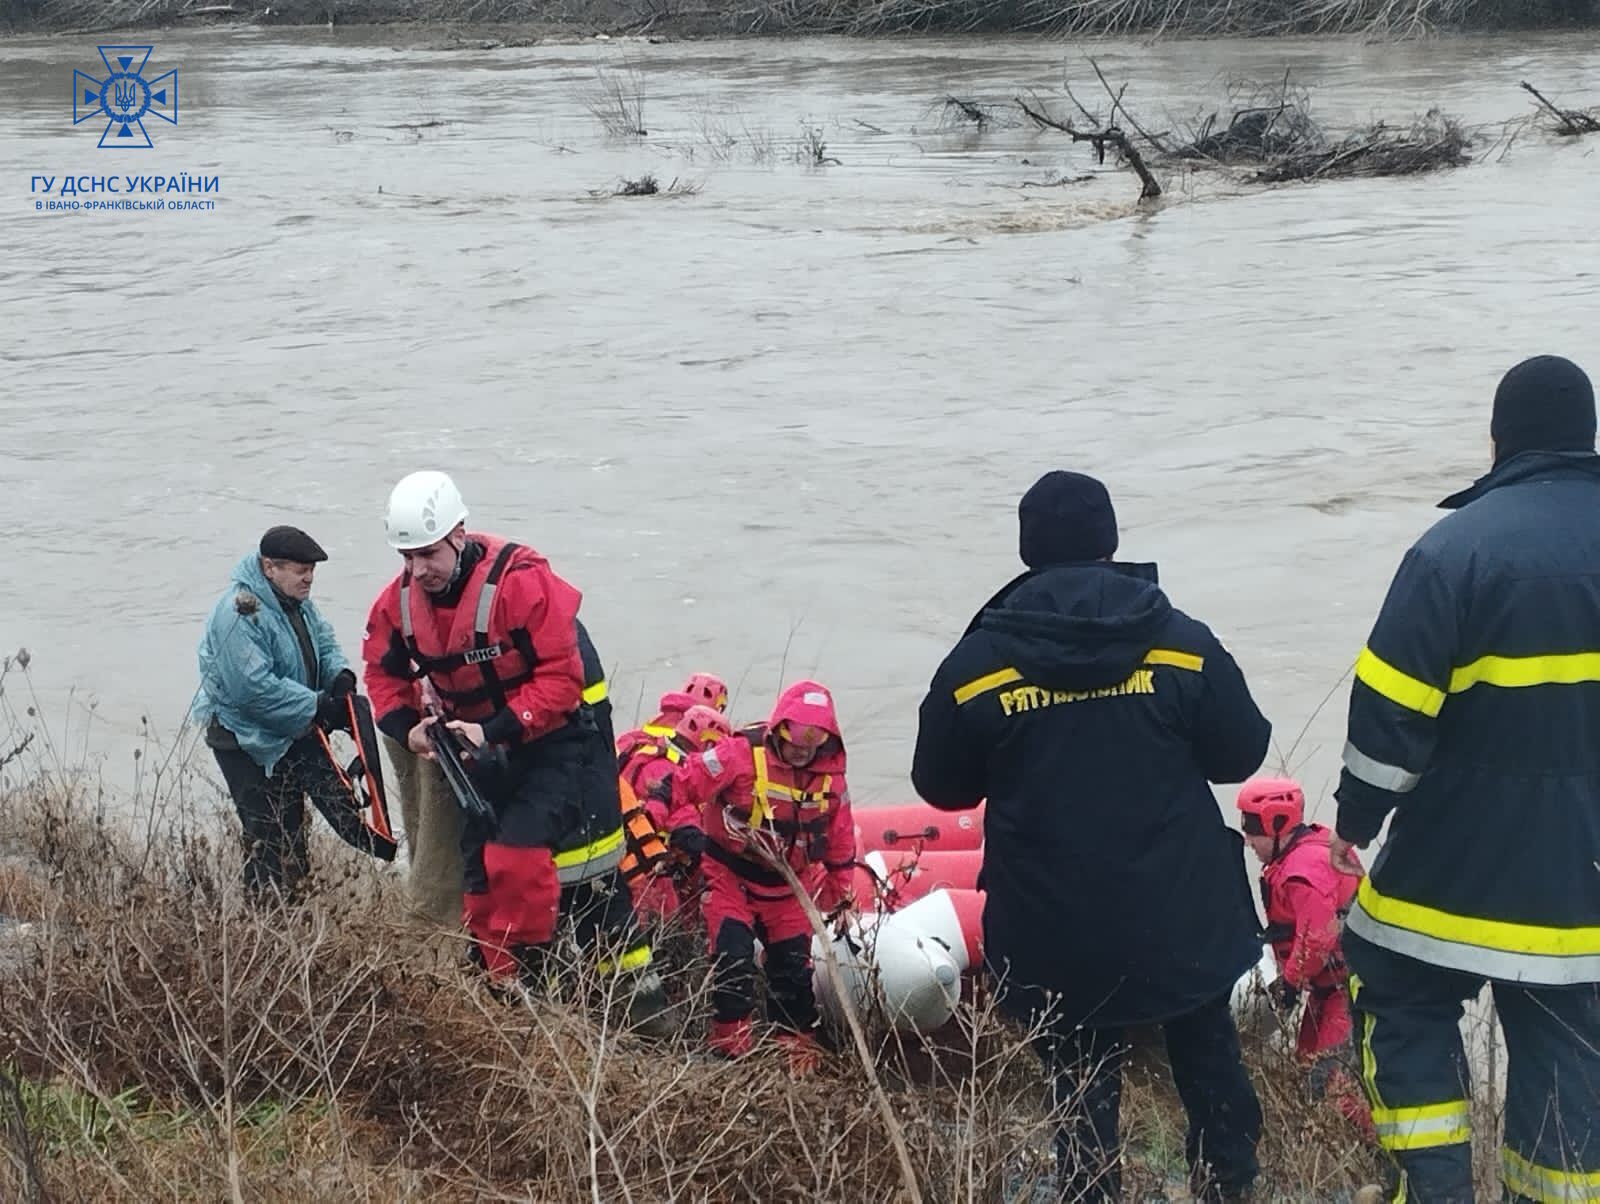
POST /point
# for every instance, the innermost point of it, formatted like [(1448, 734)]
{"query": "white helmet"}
[(423, 508)]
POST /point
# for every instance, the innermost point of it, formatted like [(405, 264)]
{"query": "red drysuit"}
[(740, 793)]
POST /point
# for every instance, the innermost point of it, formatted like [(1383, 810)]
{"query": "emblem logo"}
[(124, 98)]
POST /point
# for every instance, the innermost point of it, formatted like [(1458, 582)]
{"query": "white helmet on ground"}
[(423, 508)]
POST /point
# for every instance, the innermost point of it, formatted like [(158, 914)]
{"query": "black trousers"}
[(1414, 1067), (539, 803), (598, 920), (793, 1005), (272, 811), (1085, 1071)]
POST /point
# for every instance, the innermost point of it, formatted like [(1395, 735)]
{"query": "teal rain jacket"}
[(252, 676)]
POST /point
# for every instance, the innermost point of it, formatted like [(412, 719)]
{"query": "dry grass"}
[(159, 1039)]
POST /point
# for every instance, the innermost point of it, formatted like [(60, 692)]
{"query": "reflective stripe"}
[(1564, 669), (633, 959), (766, 790), (670, 751), (595, 693), (982, 685), (1399, 688), (1547, 1184), (485, 603), (1005, 677), (590, 861), (1423, 1128), (1375, 773), (710, 760), (655, 729), (1494, 948), (1175, 660)]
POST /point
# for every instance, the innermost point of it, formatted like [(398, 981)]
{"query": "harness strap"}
[(742, 867), (482, 653), (492, 685)]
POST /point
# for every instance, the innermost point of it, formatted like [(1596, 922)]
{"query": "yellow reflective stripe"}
[(1175, 660), (612, 842), (634, 959), (982, 685), (1399, 688), (670, 751), (1405, 1128), (1005, 677), (1469, 930), (760, 810), (655, 729), (1547, 1184), (1513, 671), (595, 693), (1423, 1128)]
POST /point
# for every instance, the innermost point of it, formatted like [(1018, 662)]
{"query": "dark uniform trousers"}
[(1415, 1071), (1084, 1067), (539, 803)]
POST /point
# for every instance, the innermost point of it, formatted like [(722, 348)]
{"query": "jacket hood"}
[(811, 702), (675, 702), (1078, 626), (1526, 466)]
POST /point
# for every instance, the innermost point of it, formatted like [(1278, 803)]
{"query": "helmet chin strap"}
[(455, 573)]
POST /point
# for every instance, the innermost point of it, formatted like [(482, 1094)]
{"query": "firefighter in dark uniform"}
[(1091, 714), (1475, 719), (602, 907)]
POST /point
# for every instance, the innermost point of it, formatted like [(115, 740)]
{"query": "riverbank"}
[(525, 22), (159, 1039)]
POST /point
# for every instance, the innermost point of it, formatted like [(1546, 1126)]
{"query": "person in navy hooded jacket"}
[(1093, 715)]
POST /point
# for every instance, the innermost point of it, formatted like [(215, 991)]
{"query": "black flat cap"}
[(291, 543)]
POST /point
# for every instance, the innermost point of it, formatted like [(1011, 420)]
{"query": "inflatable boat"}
[(904, 956), (911, 827)]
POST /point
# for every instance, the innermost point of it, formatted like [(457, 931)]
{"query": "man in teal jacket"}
[(271, 675)]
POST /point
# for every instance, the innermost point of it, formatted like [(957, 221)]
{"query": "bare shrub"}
[(616, 101), (162, 1039)]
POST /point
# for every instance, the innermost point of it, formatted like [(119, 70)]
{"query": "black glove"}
[(344, 683), (333, 714), (1284, 997), (691, 842)]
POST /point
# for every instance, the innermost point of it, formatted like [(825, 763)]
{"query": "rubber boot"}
[(649, 1012), (731, 1038), (802, 1052)]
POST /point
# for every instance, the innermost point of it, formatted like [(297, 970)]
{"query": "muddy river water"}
[(777, 424)]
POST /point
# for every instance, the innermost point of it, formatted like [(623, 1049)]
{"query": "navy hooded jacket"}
[(1475, 720), (1091, 714)]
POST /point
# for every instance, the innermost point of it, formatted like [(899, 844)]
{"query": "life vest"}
[(1305, 857), (646, 850), (778, 804), (639, 757), (481, 659), (631, 742)]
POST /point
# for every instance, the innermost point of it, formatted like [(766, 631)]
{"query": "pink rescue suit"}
[(741, 794)]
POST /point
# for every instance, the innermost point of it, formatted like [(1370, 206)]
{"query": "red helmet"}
[(707, 689), (1276, 805), (702, 725)]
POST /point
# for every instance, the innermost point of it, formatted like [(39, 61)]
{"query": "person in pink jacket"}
[(774, 790), (1306, 900)]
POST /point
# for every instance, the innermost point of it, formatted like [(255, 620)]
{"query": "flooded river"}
[(778, 425)]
